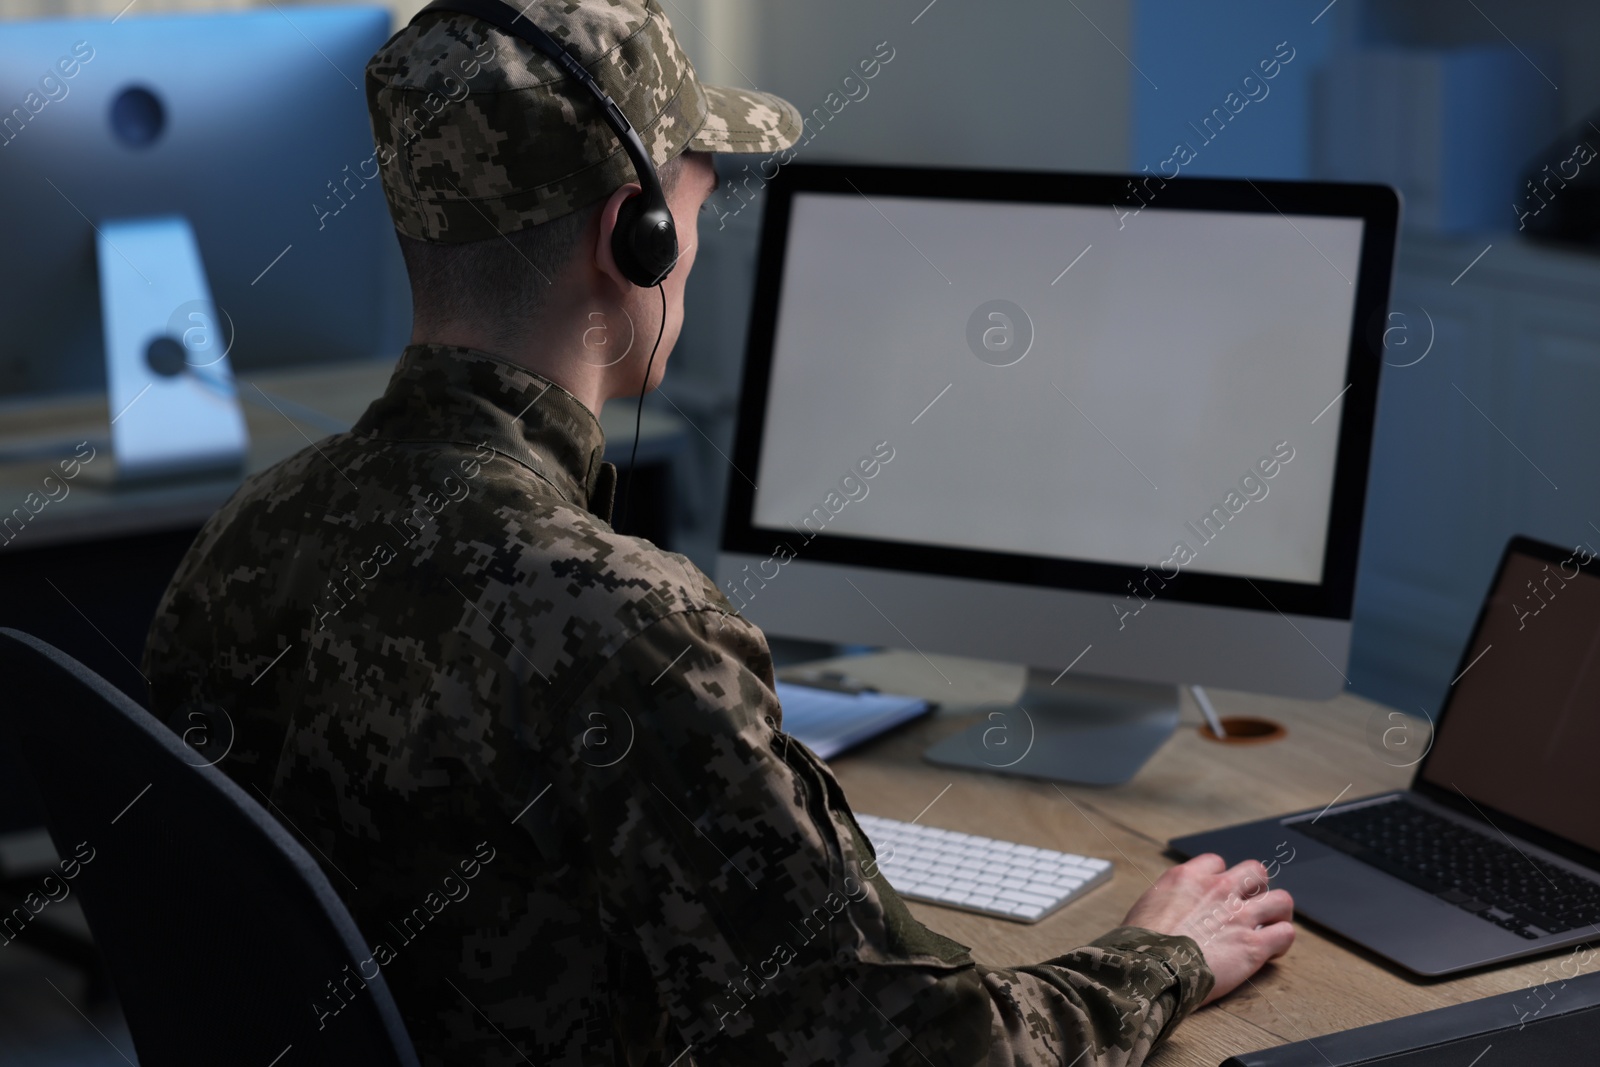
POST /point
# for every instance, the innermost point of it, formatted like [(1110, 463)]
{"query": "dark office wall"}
[(1005, 83)]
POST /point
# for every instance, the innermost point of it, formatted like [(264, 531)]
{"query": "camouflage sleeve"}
[(727, 861), (1117, 997)]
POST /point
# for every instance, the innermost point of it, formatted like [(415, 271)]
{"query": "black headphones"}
[(645, 241)]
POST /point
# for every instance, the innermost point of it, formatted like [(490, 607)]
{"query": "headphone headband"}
[(645, 240)]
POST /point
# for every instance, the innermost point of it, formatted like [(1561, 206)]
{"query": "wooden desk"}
[(1192, 784), (311, 404)]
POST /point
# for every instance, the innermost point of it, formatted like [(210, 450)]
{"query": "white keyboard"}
[(979, 874)]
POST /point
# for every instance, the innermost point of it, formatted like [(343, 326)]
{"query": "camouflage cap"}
[(479, 135)]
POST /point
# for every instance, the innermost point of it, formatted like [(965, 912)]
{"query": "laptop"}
[(1494, 851)]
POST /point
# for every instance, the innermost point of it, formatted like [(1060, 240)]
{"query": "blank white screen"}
[(1175, 353)]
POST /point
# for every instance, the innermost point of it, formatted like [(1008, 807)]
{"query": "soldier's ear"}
[(604, 259)]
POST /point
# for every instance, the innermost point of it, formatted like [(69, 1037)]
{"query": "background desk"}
[(1192, 784), (311, 404)]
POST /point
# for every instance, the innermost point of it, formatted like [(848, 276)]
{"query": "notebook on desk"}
[(830, 721)]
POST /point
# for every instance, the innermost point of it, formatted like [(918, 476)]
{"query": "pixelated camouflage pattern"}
[(479, 135), (670, 878)]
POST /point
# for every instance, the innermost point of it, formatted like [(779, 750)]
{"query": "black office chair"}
[(52, 590), (219, 931)]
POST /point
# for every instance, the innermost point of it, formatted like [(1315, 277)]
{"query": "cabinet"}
[(1495, 432)]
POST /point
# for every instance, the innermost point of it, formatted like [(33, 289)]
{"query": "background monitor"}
[(251, 125), (1072, 421)]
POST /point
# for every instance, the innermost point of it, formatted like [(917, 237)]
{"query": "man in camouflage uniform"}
[(541, 760)]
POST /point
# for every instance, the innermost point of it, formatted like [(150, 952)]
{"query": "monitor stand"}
[(169, 386), (1081, 729)]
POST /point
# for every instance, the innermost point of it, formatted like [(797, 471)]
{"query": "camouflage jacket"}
[(542, 763)]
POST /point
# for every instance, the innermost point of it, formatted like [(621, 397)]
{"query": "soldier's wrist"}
[(1176, 965)]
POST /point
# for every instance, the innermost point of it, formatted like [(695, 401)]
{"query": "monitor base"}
[(169, 384), (1084, 730)]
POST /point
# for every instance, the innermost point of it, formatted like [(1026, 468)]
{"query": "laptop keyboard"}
[(998, 878), (1462, 866)]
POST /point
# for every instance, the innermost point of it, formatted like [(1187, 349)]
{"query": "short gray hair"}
[(502, 283)]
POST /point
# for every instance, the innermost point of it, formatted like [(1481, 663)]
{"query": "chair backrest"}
[(224, 939)]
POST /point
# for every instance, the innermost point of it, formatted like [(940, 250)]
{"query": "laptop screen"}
[(1521, 730)]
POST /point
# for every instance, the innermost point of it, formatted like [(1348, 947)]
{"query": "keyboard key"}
[(1022, 896)]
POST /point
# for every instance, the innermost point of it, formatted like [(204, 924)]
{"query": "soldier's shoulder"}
[(262, 510), (350, 482), (546, 571), (573, 565)]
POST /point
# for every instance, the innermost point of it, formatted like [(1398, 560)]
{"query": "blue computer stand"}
[(174, 407)]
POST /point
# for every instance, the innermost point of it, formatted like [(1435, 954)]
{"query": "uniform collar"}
[(445, 393)]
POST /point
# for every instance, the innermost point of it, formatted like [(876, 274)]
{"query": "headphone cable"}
[(638, 414)]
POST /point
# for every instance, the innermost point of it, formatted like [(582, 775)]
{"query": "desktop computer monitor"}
[(1115, 430), (202, 179)]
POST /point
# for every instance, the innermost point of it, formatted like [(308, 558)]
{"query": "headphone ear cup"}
[(645, 241)]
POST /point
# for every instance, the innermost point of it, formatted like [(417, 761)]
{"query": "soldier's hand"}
[(1238, 922)]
